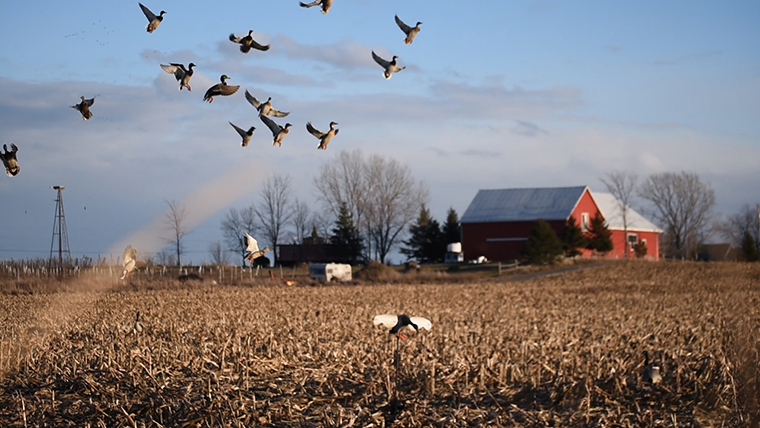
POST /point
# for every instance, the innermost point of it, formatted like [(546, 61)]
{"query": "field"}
[(558, 350)]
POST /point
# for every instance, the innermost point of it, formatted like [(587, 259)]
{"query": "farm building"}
[(639, 228), (497, 222)]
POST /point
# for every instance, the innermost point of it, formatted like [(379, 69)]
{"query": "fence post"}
[(499, 269)]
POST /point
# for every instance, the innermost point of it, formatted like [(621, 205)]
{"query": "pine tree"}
[(599, 237), (543, 245), (640, 249), (572, 238), (345, 237), (425, 239), (749, 248), (452, 230)]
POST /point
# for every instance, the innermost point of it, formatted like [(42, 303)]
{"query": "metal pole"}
[(60, 231)]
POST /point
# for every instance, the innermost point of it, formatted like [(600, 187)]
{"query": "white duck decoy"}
[(222, 89), (129, 261), (326, 4), (409, 31), (136, 327), (402, 324), (278, 132), (324, 137), (247, 42), (389, 66), (181, 73), (84, 107), (245, 135), (9, 160), (264, 108), (252, 249), (153, 20)]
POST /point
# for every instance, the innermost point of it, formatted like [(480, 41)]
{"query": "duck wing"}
[(128, 256), (236, 39), (148, 14), (251, 244), (314, 131), (314, 3), (178, 70), (239, 130), (277, 113), (275, 128), (251, 99), (90, 102), (259, 46), (405, 28), (383, 63), (228, 89), (422, 323)]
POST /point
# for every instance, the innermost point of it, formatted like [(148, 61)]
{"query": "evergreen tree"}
[(599, 237), (543, 245), (749, 248), (425, 241), (346, 238), (640, 249), (452, 230), (572, 238)]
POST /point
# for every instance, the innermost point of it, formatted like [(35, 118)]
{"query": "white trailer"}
[(330, 272)]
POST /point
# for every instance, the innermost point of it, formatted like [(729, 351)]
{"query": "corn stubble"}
[(565, 350)]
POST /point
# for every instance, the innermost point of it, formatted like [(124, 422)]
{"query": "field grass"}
[(560, 350)]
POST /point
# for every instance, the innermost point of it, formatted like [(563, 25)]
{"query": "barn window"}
[(632, 239), (585, 222)]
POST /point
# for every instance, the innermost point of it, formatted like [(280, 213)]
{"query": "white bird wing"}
[(252, 245), (251, 99), (178, 70), (383, 63), (129, 256), (147, 12), (405, 28), (277, 113), (314, 131), (386, 320), (239, 130), (275, 128), (422, 322)]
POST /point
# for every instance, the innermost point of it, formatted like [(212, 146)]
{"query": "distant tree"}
[(425, 243), (219, 256), (300, 220), (599, 237), (275, 209), (175, 220), (234, 225), (346, 238), (683, 208), (736, 226), (622, 185), (572, 238), (640, 249), (452, 229), (749, 248), (543, 245)]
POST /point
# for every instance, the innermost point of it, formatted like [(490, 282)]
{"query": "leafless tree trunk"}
[(235, 224), (301, 220), (275, 209), (175, 219), (745, 221), (622, 185), (683, 207), (381, 195), (218, 254)]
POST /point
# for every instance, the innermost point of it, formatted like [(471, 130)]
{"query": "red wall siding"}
[(618, 242)]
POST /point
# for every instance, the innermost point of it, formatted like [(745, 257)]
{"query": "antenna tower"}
[(60, 233)]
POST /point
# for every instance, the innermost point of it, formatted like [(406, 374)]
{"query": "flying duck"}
[(264, 108), (247, 42), (278, 131), (389, 66), (220, 89), (252, 251), (399, 324), (324, 137), (652, 372), (9, 160), (181, 73), (245, 135), (326, 4), (129, 261), (84, 107), (409, 31), (153, 20)]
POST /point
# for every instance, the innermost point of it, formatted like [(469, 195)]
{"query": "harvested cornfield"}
[(561, 350)]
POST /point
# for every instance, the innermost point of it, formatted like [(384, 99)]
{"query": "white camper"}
[(454, 253), (330, 272)]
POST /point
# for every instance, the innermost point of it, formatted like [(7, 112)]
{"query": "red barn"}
[(639, 228), (497, 222)]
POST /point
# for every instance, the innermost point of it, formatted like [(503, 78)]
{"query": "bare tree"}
[(219, 256), (622, 185), (275, 209), (301, 220), (735, 226), (381, 195), (164, 258), (175, 219), (235, 224), (683, 207)]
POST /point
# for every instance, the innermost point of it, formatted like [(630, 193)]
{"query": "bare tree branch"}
[(301, 217), (235, 224), (175, 220), (736, 225), (622, 185), (275, 209), (218, 254)]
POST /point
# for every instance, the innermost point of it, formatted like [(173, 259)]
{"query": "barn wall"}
[(499, 241), (618, 242)]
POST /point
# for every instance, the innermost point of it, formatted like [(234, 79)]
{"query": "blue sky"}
[(496, 94)]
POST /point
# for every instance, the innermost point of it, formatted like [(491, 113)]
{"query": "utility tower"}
[(59, 231)]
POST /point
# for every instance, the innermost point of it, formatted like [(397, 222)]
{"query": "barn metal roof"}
[(549, 203), (610, 208)]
